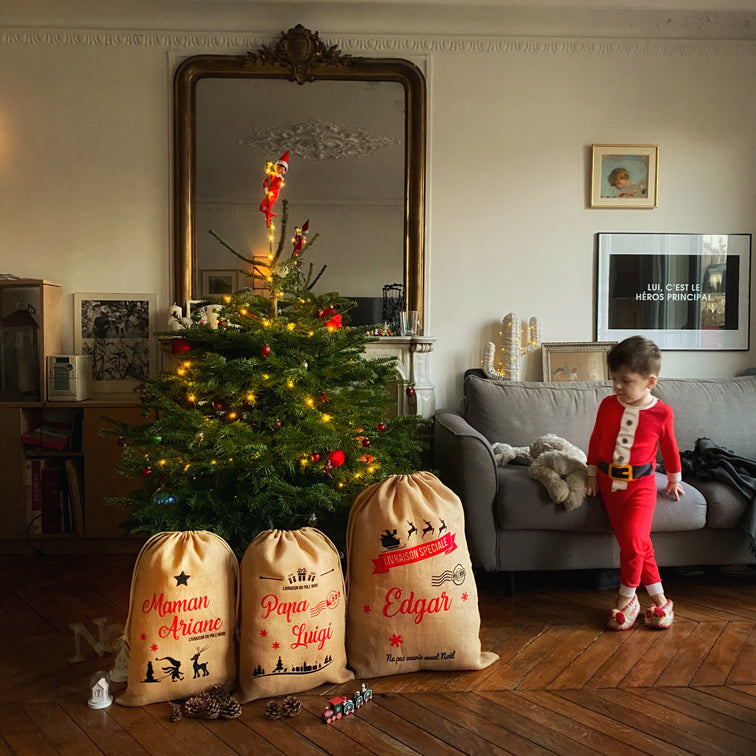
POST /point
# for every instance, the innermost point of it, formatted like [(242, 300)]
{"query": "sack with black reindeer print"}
[(292, 614), (413, 602), (181, 628)]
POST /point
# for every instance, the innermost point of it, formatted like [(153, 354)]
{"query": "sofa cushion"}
[(517, 413), (722, 409), (523, 504), (724, 505)]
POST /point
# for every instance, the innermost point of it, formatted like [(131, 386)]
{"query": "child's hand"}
[(591, 485), (674, 490)]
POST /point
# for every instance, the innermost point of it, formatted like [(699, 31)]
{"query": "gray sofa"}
[(511, 523)]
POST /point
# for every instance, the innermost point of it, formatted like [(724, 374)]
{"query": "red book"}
[(34, 495), (51, 503)]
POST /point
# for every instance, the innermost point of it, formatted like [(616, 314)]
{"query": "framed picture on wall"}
[(625, 176), (575, 361), (683, 291), (218, 282), (117, 330), (261, 266)]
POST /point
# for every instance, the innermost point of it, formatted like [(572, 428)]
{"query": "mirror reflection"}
[(345, 175), (355, 130)]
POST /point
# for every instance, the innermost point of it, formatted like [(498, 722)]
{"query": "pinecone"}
[(175, 715), (212, 708), (230, 709), (272, 710), (202, 706), (220, 692), (291, 706), (195, 706)]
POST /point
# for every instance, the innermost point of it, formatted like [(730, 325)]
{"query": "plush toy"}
[(504, 454), (561, 467)]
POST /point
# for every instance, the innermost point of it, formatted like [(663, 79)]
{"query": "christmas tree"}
[(274, 417)]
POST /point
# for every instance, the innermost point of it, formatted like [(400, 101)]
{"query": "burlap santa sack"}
[(413, 602), (181, 628), (292, 614)]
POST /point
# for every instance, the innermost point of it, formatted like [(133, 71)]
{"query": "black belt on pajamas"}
[(626, 472)]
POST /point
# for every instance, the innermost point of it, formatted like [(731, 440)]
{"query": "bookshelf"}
[(81, 467)]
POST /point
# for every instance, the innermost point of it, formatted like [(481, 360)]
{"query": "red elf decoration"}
[(272, 184), (299, 238)]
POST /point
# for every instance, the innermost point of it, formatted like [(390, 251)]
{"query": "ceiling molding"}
[(379, 45)]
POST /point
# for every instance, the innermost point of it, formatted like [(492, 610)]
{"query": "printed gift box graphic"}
[(413, 602), (293, 613), (181, 628)]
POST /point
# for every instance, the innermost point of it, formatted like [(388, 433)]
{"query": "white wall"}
[(85, 160)]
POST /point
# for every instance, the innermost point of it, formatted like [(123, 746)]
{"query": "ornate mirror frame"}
[(299, 56)]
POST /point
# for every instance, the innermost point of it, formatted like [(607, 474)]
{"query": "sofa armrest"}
[(465, 463)]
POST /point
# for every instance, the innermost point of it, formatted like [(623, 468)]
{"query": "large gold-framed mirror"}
[(356, 131)]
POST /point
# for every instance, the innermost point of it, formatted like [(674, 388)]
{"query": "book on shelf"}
[(52, 503), (33, 474), (48, 435), (75, 496)]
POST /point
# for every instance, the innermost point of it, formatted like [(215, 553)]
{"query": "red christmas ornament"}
[(410, 391), (365, 442), (265, 351), (334, 323), (146, 472), (381, 427), (315, 457), (337, 458), (323, 399), (181, 346)]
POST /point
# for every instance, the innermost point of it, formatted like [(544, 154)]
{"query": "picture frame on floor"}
[(575, 361)]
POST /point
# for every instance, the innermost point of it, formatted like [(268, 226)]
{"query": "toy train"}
[(341, 706)]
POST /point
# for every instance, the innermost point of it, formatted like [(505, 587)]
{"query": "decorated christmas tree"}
[(273, 417)]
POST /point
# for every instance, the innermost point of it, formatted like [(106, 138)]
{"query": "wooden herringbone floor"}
[(563, 684)]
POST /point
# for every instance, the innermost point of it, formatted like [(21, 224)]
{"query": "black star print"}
[(182, 579)]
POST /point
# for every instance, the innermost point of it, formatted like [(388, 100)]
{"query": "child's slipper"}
[(660, 617), (624, 619)]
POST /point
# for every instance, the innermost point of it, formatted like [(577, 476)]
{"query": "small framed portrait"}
[(625, 176), (576, 361), (218, 282)]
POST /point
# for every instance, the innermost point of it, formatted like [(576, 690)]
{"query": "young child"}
[(621, 465)]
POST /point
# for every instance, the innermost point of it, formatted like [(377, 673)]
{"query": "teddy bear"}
[(505, 453), (561, 467)]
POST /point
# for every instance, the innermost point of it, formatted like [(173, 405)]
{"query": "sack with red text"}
[(292, 614), (181, 628), (413, 602)]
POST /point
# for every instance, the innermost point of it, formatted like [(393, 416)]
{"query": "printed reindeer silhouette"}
[(412, 528), (428, 529), (197, 666), (442, 528)]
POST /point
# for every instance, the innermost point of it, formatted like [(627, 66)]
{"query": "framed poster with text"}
[(683, 291)]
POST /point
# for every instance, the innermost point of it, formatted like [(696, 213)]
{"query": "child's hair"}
[(617, 174), (636, 354)]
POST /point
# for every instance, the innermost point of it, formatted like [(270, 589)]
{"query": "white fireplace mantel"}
[(412, 354)]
